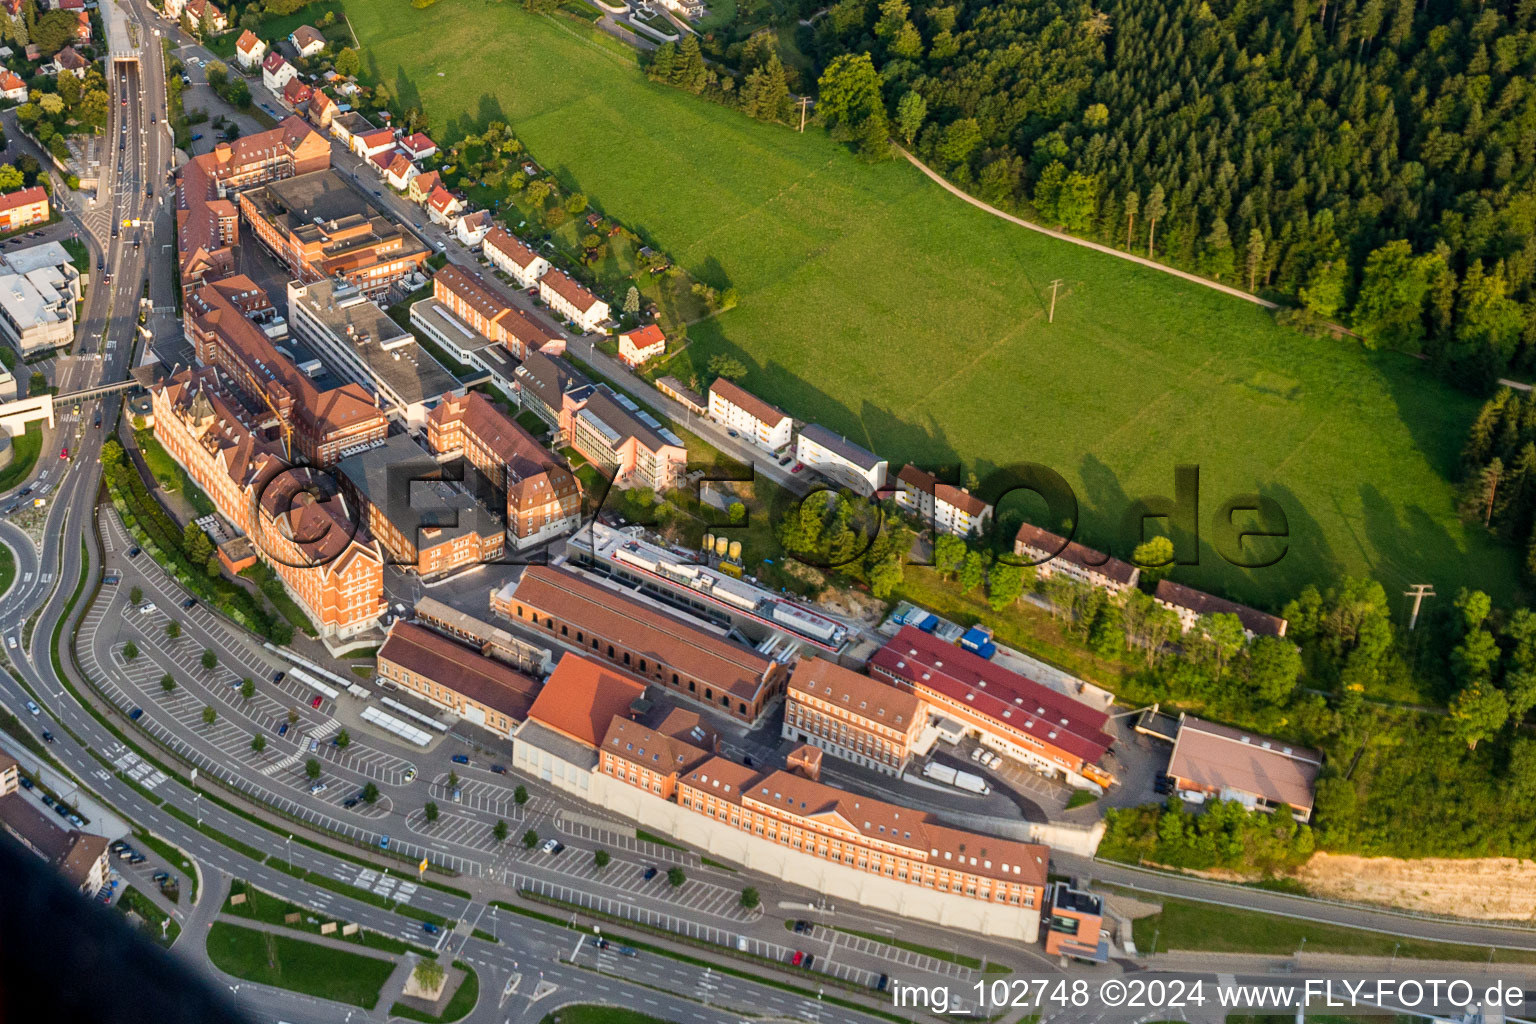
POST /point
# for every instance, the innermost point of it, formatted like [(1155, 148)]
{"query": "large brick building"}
[(852, 716), (207, 219), (458, 679), (643, 641), (482, 306), (543, 496), (325, 424), (318, 227), (297, 525), (1018, 716)]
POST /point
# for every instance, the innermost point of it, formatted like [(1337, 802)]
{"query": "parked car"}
[(314, 745), (47, 800), (460, 759), (136, 714), (551, 846), (430, 928), (137, 858), (885, 979), (499, 769), (802, 926), (160, 876), (277, 677), (410, 774), (383, 842), (350, 802), (146, 607), (189, 602), (795, 960), (282, 730), (650, 873), (26, 783), (133, 552), (77, 821), (10, 642), (810, 958), (317, 789), (316, 702), (117, 845)]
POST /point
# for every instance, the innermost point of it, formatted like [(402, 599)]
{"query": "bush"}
[(530, 839), (676, 877), (750, 898)]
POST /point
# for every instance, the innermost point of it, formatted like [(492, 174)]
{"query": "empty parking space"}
[(584, 831)]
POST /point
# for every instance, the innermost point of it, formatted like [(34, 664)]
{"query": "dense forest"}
[(1371, 160), (1499, 466)]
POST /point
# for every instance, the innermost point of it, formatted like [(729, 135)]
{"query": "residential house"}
[(206, 17), (944, 507), (734, 407), (422, 186), (276, 72), (636, 346), (306, 40), (417, 146), (69, 62), (322, 109), (346, 127), (572, 301), (509, 255), (23, 208), (840, 460), (12, 87), (250, 50), (1051, 554), (443, 207), (1191, 605), (295, 96), (82, 28), (371, 143), (400, 172), (473, 227)]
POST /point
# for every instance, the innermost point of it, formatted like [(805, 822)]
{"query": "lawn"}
[(875, 303), (157, 924), (24, 451), (1206, 927), (169, 475), (297, 965), (463, 1000), (7, 569)]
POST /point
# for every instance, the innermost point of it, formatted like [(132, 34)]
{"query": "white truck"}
[(972, 783), (939, 773)]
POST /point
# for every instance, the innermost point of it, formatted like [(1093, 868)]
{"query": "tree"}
[(258, 743), (370, 793), (885, 575), (1477, 712), (130, 650), (520, 795), (430, 810), (209, 660), (1255, 254), (54, 31), (530, 839), (1155, 558), (247, 688), (312, 769), (1521, 773), (1132, 207), (347, 63), (688, 69), (499, 831), (1390, 305), (676, 877), (293, 715), (168, 682), (600, 858), (948, 552), (728, 367), (429, 974), (453, 779), (911, 109), (1274, 666), (135, 595), (343, 740), (209, 715), (173, 629), (1156, 208), (973, 571), (632, 301), (1005, 584), (750, 898)]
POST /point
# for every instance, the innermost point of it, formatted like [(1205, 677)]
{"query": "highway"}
[(530, 952)]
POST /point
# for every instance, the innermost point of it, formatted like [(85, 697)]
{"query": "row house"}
[(421, 187), (543, 495), (346, 127), (400, 171), (444, 208), (943, 507), (1051, 553), (734, 407), (474, 299), (643, 640), (508, 254), (572, 301), (1192, 605)]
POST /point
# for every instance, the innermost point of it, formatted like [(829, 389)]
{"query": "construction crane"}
[(282, 424)]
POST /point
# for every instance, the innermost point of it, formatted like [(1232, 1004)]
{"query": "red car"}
[(64, 454), (316, 702), (533, 291), (795, 960)]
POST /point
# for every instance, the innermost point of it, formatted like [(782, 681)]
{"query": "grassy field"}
[(873, 302), (1205, 927), (25, 448), (297, 965)]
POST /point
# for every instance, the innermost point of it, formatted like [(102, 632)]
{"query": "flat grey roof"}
[(542, 738), (404, 483), (861, 457), (389, 352)]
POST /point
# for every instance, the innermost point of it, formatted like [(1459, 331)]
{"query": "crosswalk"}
[(287, 761)]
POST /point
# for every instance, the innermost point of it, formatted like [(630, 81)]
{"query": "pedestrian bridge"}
[(14, 416)]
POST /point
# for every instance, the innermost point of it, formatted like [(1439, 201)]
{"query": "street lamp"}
[(289, 844)]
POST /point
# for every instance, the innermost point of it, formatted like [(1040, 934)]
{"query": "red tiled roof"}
[(562, 285), (441, 199), (23, 197), (10, 80), (862, 696), (510, 246), (645, 337), (630, 741), (417, 142), (1075, 553), (272, 62), (991, 691), (247, 42), (1201, 603), (581, 698)]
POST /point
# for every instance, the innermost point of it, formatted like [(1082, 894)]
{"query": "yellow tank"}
[(735, 550), (722, 545), (709, 543)]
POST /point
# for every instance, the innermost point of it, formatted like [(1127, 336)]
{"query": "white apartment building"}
[(572, 301), (840, 460), (509, 255), (736, 408), (945, 507)]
